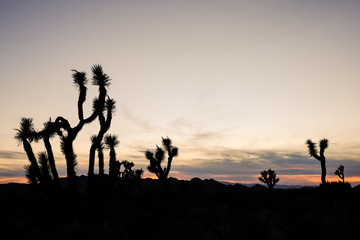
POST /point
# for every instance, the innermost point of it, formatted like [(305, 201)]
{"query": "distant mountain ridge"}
[(194, 185), (278, 186)]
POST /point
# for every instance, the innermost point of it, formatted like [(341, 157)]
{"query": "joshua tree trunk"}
[(91, 161), (51, 160), (32, 159), (101, 161), (323, 171), (112, 163), (96, 140), (323, 146), (70, 164)]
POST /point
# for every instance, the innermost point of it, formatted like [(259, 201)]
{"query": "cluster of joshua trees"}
[(42, 169)]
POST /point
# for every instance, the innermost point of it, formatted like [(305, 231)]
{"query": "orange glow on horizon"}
[(310, 180), (13, 180)]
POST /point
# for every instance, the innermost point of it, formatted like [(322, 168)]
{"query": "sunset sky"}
[(238, 85)]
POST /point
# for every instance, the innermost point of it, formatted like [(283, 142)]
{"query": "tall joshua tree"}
[(340, 173), (62, 125), (96, 140), (269, 177), (313, 152), (24, 135), (111, 142), (157, 157)]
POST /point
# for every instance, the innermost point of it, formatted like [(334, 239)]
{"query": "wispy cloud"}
[(143, 124), (11, 154), (6, 173)]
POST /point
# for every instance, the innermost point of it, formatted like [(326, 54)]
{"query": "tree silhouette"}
[(314, 153), (128, 172), (269, 177), (340, 173), (62, 125), (109, 107), (46, 134), (111, 142), (24, 135), (157, 157)]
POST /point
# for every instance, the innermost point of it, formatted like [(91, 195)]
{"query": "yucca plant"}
[(313, 152), (269, 178)]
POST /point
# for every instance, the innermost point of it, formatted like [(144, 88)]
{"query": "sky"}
[(238, 86)]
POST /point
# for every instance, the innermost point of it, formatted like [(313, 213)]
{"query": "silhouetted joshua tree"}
[(111, 142), (128, 172), (157, 157), (46, 134), (96, 140), (314, 153), (340, 173), (99, 79), (269, 177), (24, 135)]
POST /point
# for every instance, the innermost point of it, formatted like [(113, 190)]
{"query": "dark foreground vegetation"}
[(196, 209)]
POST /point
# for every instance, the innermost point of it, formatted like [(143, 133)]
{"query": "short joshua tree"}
[(111, 142), (157, 157), (314, 153), (340, 173), (269, 177)]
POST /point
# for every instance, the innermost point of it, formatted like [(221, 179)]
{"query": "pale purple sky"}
[(237, 85)]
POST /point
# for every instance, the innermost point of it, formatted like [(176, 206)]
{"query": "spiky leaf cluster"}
[(111, 141), (312, 148), (69, 152), (44, 165), (323, 144), (30, 174), (99, 77), (26, 130)]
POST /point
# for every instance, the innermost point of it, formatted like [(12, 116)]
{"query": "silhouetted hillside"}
[(195, 209)]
